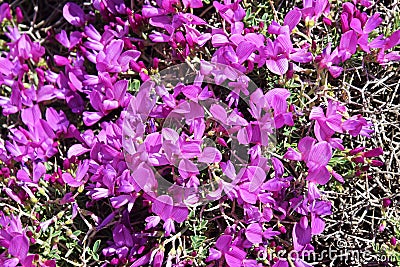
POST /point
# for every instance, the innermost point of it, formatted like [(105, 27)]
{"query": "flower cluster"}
[(154, 162)]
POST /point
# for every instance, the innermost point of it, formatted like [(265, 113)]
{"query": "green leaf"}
[(96, 257)]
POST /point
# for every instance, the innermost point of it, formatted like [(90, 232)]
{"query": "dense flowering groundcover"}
[(181, 133)]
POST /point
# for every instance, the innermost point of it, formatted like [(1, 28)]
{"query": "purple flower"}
[(164, 207), (313, 9), (231, 12), (320, 155), (277, 99), (329, 60), (326, 125), (276, 59), (74, 39), (357, 125), (368, 26), (13, 237), (111, 59), (291, 20), (348, 45), (255, 234), (233, 255), (316, 156), (80, 177)]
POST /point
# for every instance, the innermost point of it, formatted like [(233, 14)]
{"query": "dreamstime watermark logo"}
[(342, 251), (189, 133)]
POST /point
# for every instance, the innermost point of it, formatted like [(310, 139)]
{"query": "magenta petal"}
[(69, 180), (214, 255), (337, 176), (244, 50), (279, 121), (152, 221), (242, 136), (335, 123), (348, 44), (356, 25), (38, 171), (247, 196), (13, 195), (270, 233), (11, 262), (158, 37), (317, 113), (373, 152), (122, 236), (210, 155), (19, 247), (234, 257), (90, 118), (179, 213), (119, 201), (254, 233), (223, 242), (279, 66), (300, 235), (320, 154), (120, 88), (228, 169), (393, 40), (162, 206), (77, 150), (301, 56), (74, 14), (219, 40), (142, 261), (144, 178), (187, 168), (256, 176), (317, 225), (300, 263), (274, 185), (292, 18), (114, 49), (281, 263), (320, 176), (23, 175), (219, 113), (31, 115), (372, 23), (62, 38)]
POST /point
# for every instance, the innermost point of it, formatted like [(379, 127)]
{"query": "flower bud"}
[(373, 152), (386, 202), (19, 15)]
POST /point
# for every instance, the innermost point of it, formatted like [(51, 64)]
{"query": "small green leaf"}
[(77, 233)]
